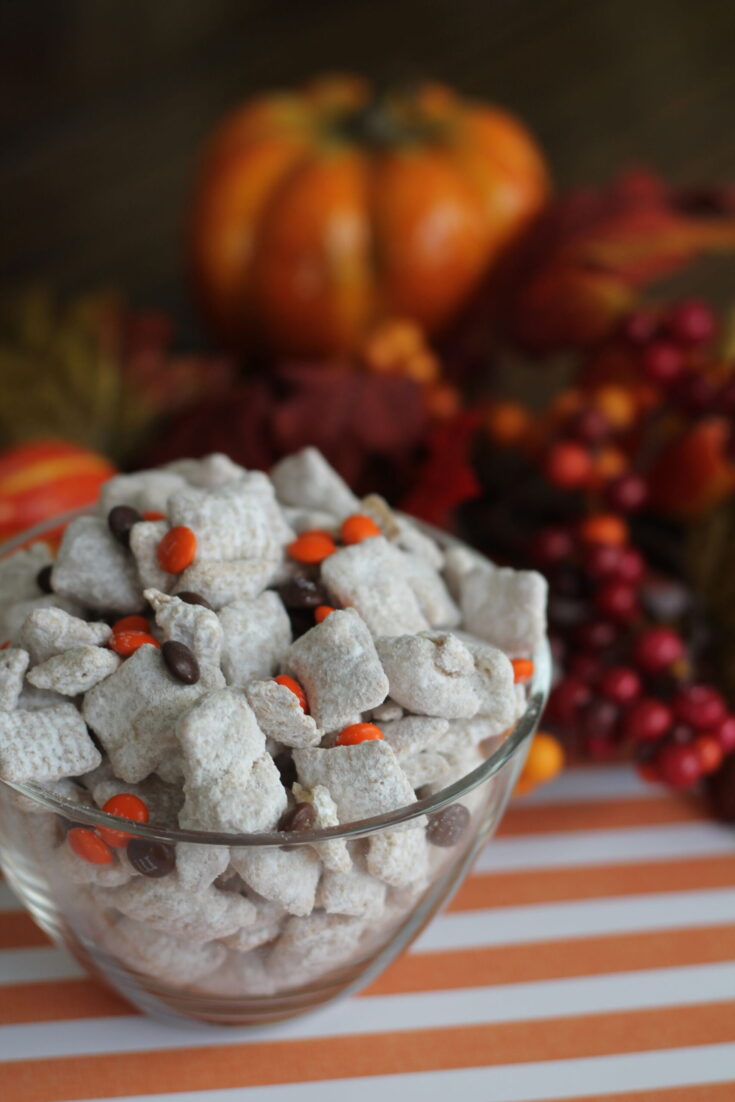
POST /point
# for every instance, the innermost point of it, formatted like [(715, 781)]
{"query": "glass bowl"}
[(185, 962)]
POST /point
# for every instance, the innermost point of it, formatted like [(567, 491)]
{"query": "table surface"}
[(590, 955)]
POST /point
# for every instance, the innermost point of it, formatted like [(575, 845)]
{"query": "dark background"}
[(104, 103)]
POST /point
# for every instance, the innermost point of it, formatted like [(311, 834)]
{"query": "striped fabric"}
[(591, 955)]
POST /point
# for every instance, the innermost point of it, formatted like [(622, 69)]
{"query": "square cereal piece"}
[(94, 569), (46, 745), (280, 715), (430, 674), (198, 865), (19, 573), (351, 893), (459, 561), (505, 607), (372, 577), (166, 958), (413, 734), (402, 531), (387, 712), (494, 685), (305, 520), (334, 853), (287, 877), (221, 583), (13, 617), (241, 974), (231, 783), (134, 711), (144, 540), (209, 472), (164, 801), (75, 671), (172, 907), (50, 631), (146, 491), (363, 780), (266, 927), (232, 523), (13, 665), (257, 634), (194, 625), (317, 944), (338, 666), (430, 591), (399, 857), (306, 481)]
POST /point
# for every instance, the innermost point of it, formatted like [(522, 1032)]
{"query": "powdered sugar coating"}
[(94, 569), (13, 665), (75, 670), (45, 745)]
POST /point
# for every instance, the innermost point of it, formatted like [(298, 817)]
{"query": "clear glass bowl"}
[(169, 965)]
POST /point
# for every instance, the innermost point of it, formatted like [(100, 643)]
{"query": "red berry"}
[(726, 398), (599, 747), (692, 322), (584, 666), (695, 393), (679, 765), (567, 465), (709, 751), (647, 720), (589, 426), (657, 649), (567, 697), (618, 601), (595, 635), (602, 560), (631, 565), (627, 493), (701, 706), (649, 771), (598, 719), (620, 684), (639, 327), (724, 732), (662, 361), (552, 545)]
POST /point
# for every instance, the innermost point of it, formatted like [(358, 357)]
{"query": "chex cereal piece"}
[(371, 577), (69, 867), (459, 561), (387, 711), (287, 877), (210, 472), (144, 540), (431, 593), (313, 945), (307, 520), (306, 481), (50, 631), (134, 711), (164, 801), (169, 905), (242, 974), (402, 531), (425, 767), (197, 627), (493, 683), (146, 491), (257, 634), (14, 616), (413, 734), (74, 671), (399, 857), (221, 583), (338, 666), (280, 715), (231, 783), (13, 665), (351, 893), (198, 866), (92, 567), (363, 780), (266, 927), (19, 572), (430, 674), (170, 959), (260, 484), (45, 745), (231, 522), (505, 607), (32, 699), (461, 753), (334, 853)]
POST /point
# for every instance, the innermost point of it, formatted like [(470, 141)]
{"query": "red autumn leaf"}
[(447, 478)]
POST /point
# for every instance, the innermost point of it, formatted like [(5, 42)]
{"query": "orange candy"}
[(89, 846), (358, 732), (522, 669), (293, 685), (126, 806), (357, 528), (545, 759), (604, 528), (126, 643), (508, 423), (322, 611), (153, 515), (177, 549), (312, 547), (131, 623)]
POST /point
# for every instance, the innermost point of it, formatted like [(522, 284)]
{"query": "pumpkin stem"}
[(391, 117)]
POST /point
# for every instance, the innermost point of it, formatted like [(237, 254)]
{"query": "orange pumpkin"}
[(44, 478), (319, 213)]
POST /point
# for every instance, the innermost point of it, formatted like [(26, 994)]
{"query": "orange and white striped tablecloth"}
[(591, 955)]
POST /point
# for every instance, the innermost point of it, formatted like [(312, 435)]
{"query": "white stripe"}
[(582, 918), (511, 1002), (628, 845), (543, 1081), (30, 965), (613, 782)]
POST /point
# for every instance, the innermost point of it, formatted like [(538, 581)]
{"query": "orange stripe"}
[(602, 815), (513, 889), (709, 1092), (66, 1000), (315, 1059), (53, 470), (19, 931)]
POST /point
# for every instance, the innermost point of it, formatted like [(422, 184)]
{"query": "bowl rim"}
[(508, 749)]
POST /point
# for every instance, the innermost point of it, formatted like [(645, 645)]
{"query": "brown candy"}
[(181, 661), (286, 766), (120, 520), (303, 592), (300, 817), (149, 858), (194, 599), (43, 579), (446, 827)]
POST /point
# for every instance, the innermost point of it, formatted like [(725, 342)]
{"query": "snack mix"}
[(215, 649)]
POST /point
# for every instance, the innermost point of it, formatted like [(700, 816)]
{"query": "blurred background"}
[(104, 105)]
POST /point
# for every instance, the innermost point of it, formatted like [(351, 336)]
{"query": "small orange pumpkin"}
[(45, 478), (319, 213)]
